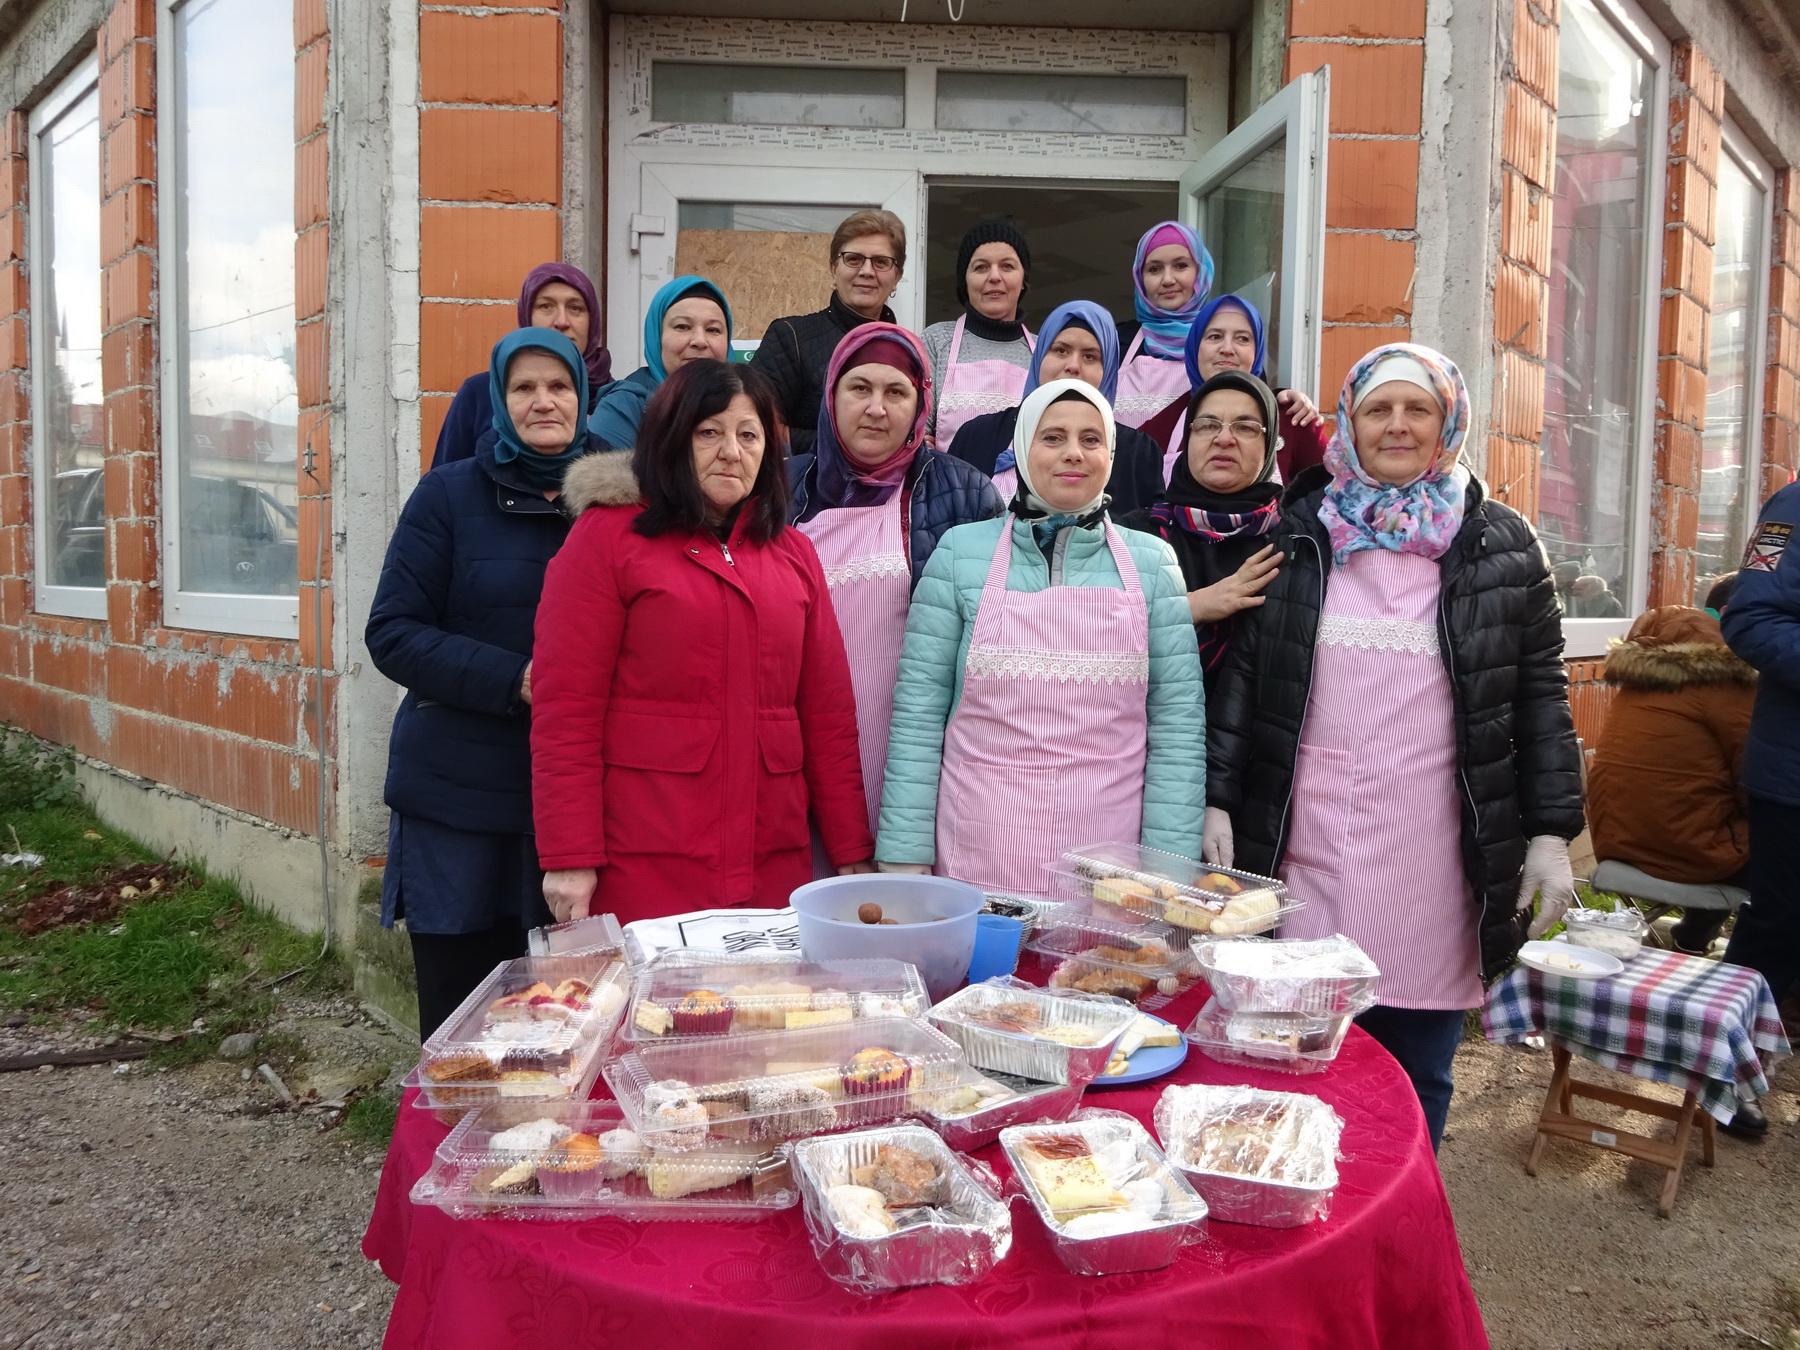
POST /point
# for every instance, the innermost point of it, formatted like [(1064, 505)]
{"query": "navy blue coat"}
[(1762, 624), (945, 492), (452, 625), (472, 414)]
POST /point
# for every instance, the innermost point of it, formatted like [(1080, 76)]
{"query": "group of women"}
[(970, 624)]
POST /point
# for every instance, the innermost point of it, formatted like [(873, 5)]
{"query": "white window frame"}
[(276, 616), (75, 602), (1734, 143), (1585, 639)]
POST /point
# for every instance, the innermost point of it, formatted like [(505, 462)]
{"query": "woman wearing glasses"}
[(1222, 505), (868, 256)]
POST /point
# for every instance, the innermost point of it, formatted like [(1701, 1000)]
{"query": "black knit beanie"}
[(990, 232)]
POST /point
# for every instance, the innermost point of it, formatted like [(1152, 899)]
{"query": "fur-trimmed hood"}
[(1675, 647), (602, 479)]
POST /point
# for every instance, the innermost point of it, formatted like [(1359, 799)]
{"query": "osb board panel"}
[(766, 274)]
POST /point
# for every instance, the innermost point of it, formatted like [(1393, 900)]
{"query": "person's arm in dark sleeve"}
[(778, 357), (1762, 622), (463, 424)]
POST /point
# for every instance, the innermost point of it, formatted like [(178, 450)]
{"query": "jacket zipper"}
[(1305, 710), (725, 548)]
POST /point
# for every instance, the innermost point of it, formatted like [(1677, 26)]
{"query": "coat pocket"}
[(1320, 829), (782, 799), (660, 801), (1000, 826), (636, 740)]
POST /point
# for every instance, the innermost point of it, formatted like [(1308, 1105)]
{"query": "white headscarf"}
[(1031, 412), (1400, 368)]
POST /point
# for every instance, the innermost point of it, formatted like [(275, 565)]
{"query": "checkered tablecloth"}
[(1698, 1025)]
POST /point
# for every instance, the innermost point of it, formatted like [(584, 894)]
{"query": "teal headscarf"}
[(538, 470), (661, 303), (616, 417)]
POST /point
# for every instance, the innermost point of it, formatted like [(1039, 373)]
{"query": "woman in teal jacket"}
[(1049, 688)]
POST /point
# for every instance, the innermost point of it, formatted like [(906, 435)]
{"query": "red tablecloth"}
[(1383, 1271)]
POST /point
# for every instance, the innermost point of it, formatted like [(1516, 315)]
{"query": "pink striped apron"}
[(1046, 747), (1375, 845), (974, 388), (864, 554), (1147, 385)]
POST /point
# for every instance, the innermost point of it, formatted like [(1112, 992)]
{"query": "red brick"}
[(130, 421), (131, 610), (1368, 279), (1357, 18), (128, 20), (315, 516), (14, 289), (12, 236), (1518, 397), (455, 341), (314, 433), (311, 189), (1526, 220), (128, 221), (1372, 185), (310, 22), (1342, 347), (311, 70), (1521, 300), (134, 556), (130, 485), (1528, 135), (1534, 50), (13, 340), (1375, 90), (490, 155), (490, 58), (310, 357), (1678, 450), (128, 85), (1698, 73), (480, 253), (1784, 292), (310, 263), (128, 153), (1781, 394), (1681, 332), (126, 293), (1786, 239), (67, 664), (1694, 134), (127, 356), (311, 631)]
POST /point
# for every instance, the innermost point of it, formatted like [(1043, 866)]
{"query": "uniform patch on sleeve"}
[(1771, 541)]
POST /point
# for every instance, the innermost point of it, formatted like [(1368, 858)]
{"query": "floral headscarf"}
[(1419, 517), (1166, 330)]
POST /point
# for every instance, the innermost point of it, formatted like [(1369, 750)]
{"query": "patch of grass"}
[(35, 776), (370, 1119)]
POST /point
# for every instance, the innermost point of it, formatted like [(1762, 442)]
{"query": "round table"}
[(1383, 1270)]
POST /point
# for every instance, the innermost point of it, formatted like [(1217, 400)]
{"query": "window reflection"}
[(1246, 221), (233, 120), (1736, 336)]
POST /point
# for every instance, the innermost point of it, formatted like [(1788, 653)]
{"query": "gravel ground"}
[(167, 1209)]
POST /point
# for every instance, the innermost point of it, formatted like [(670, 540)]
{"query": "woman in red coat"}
[(692, 704)]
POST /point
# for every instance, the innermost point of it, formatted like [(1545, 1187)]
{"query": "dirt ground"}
[(160, 1210)]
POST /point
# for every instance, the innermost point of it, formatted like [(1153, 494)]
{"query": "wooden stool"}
[(1558, 1120)]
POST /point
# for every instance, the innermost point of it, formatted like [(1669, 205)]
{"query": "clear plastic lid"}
[(1617, 932), (1281, 1138), (773, 1085), (533, 1028), (596, 935), (1293, 1042), (1133, 882), (678, 997), (581, 1160), (1145, 963), (1310, 975), (1016, 1028)]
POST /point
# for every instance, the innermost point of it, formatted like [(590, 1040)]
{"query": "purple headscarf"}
[(841, 482), (597, 359)]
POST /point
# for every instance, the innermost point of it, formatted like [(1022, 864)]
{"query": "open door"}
[(1258, 200)]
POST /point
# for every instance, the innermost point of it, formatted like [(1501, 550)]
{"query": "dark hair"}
[(663, 459), (1720, 594)]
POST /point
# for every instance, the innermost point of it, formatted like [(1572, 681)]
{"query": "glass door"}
[(1258, 200), (763, 234)]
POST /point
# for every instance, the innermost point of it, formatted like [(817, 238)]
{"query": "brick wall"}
[(224, 718), (490, 183), (1376, 51), (1781, 387)]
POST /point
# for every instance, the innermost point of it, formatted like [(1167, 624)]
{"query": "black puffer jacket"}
[(1501, 635), (794, 354), (943, 492)]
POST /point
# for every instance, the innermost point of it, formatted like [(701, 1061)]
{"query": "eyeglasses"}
[(879, 261), (1243, 428)]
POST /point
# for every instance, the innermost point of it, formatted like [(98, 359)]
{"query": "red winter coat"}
[(688, 712)]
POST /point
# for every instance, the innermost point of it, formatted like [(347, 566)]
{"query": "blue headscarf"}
[(1191, 351), (536, 469), (1085, 314), (661, 303), (1166, 329)]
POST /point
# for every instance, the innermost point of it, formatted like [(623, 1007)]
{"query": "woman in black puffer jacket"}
[(1392, 735)]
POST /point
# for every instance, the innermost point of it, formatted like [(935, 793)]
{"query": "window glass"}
[(787, 96), (770, 258), (1245, 221), (1594, 429), (68, 435), (235, 382), (1734, 352), (1136, 105)]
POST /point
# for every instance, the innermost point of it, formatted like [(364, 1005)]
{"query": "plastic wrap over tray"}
[(683, 995), (1263, 1158), (1318, 976), (1146, 962), (596, 935), (1013, 1027), (582, 1161), (1289, 1042), (971, 1113), (893, 1207), (1133, 882), (1109, 1199)]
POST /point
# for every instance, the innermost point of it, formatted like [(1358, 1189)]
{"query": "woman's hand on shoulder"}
[(570, 891), (1239, 591), (1299, 407)]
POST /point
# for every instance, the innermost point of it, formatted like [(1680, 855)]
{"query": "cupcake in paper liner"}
[(875, 1071), (571, 1170), (702, 1013)]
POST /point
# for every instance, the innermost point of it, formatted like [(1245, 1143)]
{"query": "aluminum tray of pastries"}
[(533, 1031), (1016, 1028), (580, 1160), (767, 1086), (1264, 1158), (1144, 963), (596, 935), (894, 1207), (1322, 976), (1103, 1189), (676, 997), (1133, 882), (1289, 1042), (972, 1111)]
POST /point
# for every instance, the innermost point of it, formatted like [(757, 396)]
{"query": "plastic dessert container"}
[(774, 1085), (1618, 932), (1163, 1212), (958, 1234), (533, 1032), (479, 1171), (596, 935), (1017, 1029), (1145, 963), (1129, 881), (1289, 1042), (971, 1113), (1318, 976), (1262, 1158), (678, 998)]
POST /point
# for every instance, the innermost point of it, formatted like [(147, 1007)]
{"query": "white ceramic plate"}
[(1570, 962)]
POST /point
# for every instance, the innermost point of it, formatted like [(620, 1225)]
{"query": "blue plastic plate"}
[(1152, 1061)]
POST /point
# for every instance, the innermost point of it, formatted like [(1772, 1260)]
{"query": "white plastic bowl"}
[(936, 931)]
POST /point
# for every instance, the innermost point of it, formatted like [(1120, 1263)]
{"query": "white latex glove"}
[(905, 869), (1548, 877), (1215, 838)]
